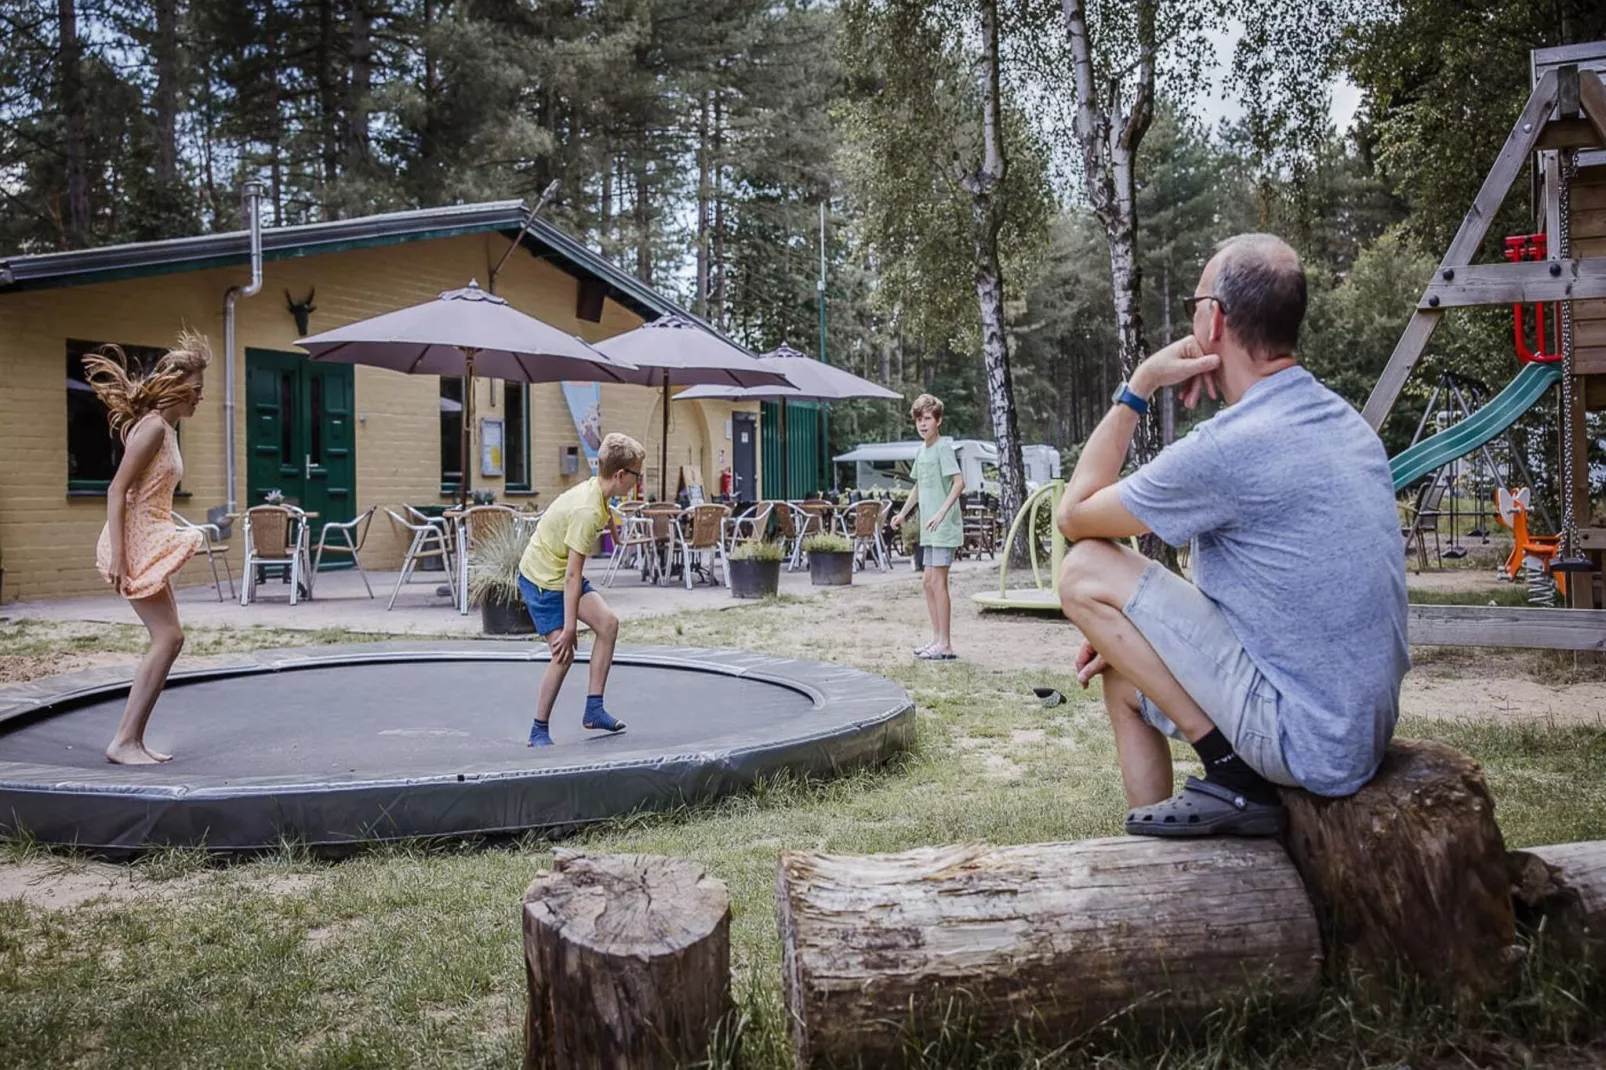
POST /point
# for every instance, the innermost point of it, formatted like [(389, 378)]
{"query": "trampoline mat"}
[(364, 721)]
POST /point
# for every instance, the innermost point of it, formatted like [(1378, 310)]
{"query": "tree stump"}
[(1564, 887), (628, 962), (1056, 939), (1408, 876)]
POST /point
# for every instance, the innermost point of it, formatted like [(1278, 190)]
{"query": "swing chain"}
[(1569, 522)]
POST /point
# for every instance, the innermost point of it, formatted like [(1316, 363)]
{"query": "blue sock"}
[(598, 717), (539, 735)]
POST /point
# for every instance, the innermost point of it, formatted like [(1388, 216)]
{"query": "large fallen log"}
[(1408, 876), (1563, 887), (1055, 939), (628, 962)]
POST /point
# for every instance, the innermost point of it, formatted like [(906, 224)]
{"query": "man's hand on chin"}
[(1183, 361)]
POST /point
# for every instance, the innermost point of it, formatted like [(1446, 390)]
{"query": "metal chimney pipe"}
[(252, 196)]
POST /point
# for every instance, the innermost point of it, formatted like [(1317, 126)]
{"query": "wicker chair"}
[(793, 525), (661, 518), (632, 536), (214, 547), (701, 529), (275, 535), (752, 523), (867, 521)]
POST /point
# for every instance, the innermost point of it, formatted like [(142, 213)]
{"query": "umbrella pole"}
[(468, 424), (663, 454), (786, 476)]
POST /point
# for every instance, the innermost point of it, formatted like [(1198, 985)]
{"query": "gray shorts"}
[(1193, 638), (937, 556)]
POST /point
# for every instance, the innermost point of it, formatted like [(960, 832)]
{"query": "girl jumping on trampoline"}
[(140, 547), (556, 592)]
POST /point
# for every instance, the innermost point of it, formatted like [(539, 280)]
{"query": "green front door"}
[(298, 437)]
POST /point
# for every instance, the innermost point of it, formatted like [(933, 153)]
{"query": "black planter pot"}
[(830, 569), (505, 618), (755, 579)]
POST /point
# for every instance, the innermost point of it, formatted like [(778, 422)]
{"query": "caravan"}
[(885, 465)]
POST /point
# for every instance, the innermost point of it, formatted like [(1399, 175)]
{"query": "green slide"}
[(1503, 410)]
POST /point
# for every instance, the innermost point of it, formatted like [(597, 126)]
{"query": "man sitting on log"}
[(1283, 665)]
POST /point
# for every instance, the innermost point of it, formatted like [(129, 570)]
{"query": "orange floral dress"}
[(154, 547)]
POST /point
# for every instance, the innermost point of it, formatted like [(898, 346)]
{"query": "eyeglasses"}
[(1190, 305), (633, 472)]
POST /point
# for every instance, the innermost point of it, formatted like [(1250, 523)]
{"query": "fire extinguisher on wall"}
[(725, 484)]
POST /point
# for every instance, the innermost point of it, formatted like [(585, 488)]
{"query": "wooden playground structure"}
[(1562, 130)]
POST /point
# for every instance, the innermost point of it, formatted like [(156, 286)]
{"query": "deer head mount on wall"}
[(301, 310)]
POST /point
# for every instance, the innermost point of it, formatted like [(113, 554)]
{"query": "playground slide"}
[(1503, 410)]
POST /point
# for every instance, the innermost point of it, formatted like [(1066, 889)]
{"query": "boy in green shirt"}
[(556, 592), (938, 485)]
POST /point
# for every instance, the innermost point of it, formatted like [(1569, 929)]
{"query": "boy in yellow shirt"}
[(556, 592)]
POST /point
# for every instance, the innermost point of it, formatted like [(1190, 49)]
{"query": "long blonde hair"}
[(129, 397)]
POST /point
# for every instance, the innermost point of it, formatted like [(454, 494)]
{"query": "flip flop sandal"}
[(1049, 696), (1205, 809), (922, 651), (932, 655)]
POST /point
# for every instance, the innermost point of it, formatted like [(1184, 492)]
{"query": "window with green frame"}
[(93, 452), (516, 436)]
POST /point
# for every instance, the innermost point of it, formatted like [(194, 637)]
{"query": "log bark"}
[(1563, 888), (1056, 940), (628, 962), (1408, 876)]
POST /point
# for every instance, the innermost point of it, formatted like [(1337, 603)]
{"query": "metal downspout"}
[(252, 195)]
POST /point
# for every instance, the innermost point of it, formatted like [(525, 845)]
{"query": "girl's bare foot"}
[(134, 754)]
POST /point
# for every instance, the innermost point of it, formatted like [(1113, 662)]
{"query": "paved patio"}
[(341, 602)]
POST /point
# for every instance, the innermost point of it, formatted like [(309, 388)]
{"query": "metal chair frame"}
[(423, 535), (284, 529), (214, 547), (708, 526), (353, 535)]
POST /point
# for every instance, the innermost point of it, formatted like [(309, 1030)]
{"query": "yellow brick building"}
[(55, 458)]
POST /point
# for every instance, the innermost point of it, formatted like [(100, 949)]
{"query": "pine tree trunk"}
[(73, 125), (164, 49), (884, 954), (328, 97), (986, 187), (700, 300), (643, 218), (718, 265), (605, 212), (628, 963), (361, 85)]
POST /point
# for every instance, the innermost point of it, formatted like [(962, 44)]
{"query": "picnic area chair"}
[(661, 518), (344, 537), (428, 541), (1422, 518), (214, 547), (867, 521), (792, 524), (701, 530), (632, 542), (750, 525), (275, 535)]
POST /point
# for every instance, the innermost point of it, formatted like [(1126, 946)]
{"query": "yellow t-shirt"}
[(572, 522)]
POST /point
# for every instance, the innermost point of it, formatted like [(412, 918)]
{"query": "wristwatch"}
[(1125, 396)]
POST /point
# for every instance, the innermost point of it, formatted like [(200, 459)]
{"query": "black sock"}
[(1224, 767)]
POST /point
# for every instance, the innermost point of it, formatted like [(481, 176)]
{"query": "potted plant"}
[(493, 570), (755, 568), (482, 497), (830, 559), (909, 535)]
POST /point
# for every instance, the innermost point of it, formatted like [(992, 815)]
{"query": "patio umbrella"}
[(812, 380), (675, 351), (463, 333)]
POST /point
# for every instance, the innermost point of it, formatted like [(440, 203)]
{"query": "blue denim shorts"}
[(1193, 638), (938, 556), (546, 607)]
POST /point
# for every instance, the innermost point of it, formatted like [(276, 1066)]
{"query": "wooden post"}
[(1408, 876), (628, 963), (1053, 940)]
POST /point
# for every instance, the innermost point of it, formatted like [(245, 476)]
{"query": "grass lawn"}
[(406, 956)]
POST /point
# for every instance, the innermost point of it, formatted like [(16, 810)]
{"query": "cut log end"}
[(628, 961), (1408, 876)]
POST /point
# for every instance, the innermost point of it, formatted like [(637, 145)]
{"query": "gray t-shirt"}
[(1288, 499)]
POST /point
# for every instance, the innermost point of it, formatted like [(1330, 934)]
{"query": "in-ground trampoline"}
[(336, 746)]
